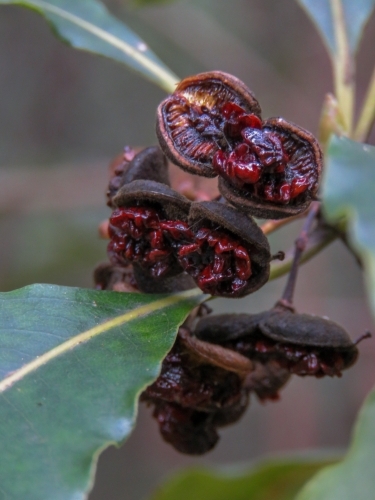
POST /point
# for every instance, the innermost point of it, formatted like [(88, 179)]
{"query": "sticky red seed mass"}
[(211, 125), (139, 235), (297, 359), (217, 261)]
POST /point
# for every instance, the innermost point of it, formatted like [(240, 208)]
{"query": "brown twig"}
[(273, 225), (300, 247), (216, 355)]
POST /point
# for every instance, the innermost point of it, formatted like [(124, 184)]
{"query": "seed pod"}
[(300, 343), (274, 173), (312, 345), (149, 164), (116, 169), (230, 415), (226, 327), (195, 121), (188, 431), (230, 256), (267, 379), (191, 383), (150, 220), (169, 284)]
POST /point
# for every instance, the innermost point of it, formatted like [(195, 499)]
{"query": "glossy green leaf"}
[(87, 25), (356, 13), (354, 477), (73, 363), (349, 191), (271, 480)]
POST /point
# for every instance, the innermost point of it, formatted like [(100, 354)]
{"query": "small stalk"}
[(273, 225), (216, 355), (367, 117), (343, 66), (300, 246)]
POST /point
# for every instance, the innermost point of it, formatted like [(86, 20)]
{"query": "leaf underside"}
[(356, 13), (348, 191), (56, 417)]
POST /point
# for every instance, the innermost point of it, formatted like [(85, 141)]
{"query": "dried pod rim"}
[(240, 225), (149, 164), (244, 94), (265, 209), (229, 219), (287, 327), (174, 205), (225, 327), (178, 282)]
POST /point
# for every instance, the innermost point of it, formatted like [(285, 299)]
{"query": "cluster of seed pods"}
[(300, 343), (161, 242), (203, 388), (195, 395), (211, 125), (162, 234)]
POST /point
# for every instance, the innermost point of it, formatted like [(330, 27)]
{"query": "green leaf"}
[(270, 480), (72, 364), (356, 13), (87, 25), (354, 477), (341, 23), (348, 191)]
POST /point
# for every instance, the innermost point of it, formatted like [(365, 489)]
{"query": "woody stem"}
[(300, 245)]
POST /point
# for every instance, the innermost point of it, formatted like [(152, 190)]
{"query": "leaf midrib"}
[(168, 77), (136, 313)]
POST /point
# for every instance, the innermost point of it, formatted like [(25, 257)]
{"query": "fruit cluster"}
[(211, 125), (163, 234), (195, 394), (161, 241)]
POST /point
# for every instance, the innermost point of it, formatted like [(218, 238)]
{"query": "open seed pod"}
[(187, 430), (169, 284), (192, 383), (197, 390), (274, 173), (267, 379), (149, 221), (231, 414), (148, 164), (230, 255), (303, 344), (197, 119)]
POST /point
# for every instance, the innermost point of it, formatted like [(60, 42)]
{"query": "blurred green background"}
[(66, 114)]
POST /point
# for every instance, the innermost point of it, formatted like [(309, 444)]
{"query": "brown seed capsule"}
[(191, 383), (287, 161), (267, 379), (149, 221), (300, 343), (117, 168), (169, 284), (230, 255), (194, 394), (149, 164), (187, 430), (230, 415), (195, 121)]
